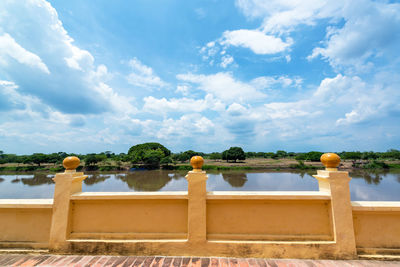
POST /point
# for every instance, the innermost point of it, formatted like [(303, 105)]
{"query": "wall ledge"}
[(375, 205), (129, 195), (276, 195), (26, 203)]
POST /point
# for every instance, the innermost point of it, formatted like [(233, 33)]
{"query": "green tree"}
[(215, 156), (369, 155), (391, 154), (152, 158), (281, 154), (38, 158), (149, 154), (234, 153), (300, 156), (93, 159), (313, 156), (269, 155), (354, 155)]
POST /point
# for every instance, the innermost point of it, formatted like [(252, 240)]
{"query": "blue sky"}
[(90, 76)]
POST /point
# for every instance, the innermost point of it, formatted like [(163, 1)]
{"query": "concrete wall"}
[(25, 223), (129, 218), (321, 224), (284, 220), (377, 226)]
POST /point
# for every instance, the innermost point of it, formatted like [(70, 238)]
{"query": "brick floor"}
[(160, 261)]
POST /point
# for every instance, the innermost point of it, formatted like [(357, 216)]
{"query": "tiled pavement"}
[(80, 260)]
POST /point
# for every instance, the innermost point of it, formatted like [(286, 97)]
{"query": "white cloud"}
[(185, 105), (259, 42), (80, 59), (370, 32), (143, 75), (224, 86), (9, 47), (185, 126), (283, 16), (35, 37), (183, 89), (236, 109), (226, 60), (269, 82)]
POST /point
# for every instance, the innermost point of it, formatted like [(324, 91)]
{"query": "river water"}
[(374, 186)]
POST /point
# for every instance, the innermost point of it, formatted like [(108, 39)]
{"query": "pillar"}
[(197, 193), (66, 184), (336, 183)]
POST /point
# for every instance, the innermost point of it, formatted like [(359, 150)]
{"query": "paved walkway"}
[(80, 260)]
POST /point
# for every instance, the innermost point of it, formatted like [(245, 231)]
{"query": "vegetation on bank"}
[(155, 155)]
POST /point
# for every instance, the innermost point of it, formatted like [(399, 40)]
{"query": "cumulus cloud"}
[(143, 75), (278, 81), (223, 86), (259, 42), (371, 32), (283, 16), (187, 125), (10, 48), (226, 61), (186, 105), (32, 36), (183, 89)]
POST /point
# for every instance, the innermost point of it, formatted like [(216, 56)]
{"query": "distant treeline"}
[(155, 154)]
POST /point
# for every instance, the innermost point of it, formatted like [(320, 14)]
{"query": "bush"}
[(376, 165)]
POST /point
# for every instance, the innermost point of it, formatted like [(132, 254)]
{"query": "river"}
[(366, 185)]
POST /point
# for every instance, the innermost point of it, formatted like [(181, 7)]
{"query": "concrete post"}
[(197, 192), (67, 183), (337, 184)]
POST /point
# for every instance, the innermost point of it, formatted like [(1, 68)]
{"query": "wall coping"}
[(282, 195), (26, 203), (129, 195), (375, 205)]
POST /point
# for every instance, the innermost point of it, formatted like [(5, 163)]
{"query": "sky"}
[(301, 75)]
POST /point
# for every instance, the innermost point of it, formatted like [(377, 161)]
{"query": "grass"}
[(301, 166)]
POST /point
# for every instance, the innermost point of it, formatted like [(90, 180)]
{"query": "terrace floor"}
[(161, 261)]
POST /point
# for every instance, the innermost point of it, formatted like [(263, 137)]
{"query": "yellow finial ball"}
[(71, 163), (197, 162), (330, 160)]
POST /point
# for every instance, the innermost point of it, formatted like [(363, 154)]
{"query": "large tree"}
[(149, 154), (234, 153)]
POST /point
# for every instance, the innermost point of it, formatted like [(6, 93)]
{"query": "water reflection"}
[(235, 179), (365, 185), (37, 179), (96, 178), (369, 178), (146, 180), (374, 177)]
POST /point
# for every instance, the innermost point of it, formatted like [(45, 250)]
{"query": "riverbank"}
[(248, 164)]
